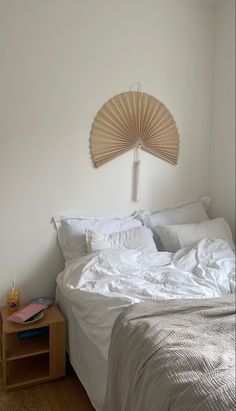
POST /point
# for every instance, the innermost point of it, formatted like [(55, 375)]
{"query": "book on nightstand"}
[(35, 332), (27, 313)]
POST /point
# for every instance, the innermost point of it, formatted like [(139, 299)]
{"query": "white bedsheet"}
[(99, 285)]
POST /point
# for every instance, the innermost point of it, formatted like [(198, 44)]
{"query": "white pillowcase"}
[(71, 231), (189, 212), (140, 238), (174, 237)]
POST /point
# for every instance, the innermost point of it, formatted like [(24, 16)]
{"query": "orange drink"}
[(13, 300)]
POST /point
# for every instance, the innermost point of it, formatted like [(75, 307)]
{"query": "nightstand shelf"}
[(35, 359), (29, 370), (16, 349)]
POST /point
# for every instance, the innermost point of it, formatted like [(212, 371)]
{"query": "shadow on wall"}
[(41, 281)]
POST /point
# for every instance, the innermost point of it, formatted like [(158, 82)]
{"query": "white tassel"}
[(137, 175)]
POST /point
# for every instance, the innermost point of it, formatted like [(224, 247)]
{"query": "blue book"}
[(22, 335)]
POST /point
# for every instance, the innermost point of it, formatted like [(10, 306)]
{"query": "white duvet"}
[(101, 284)]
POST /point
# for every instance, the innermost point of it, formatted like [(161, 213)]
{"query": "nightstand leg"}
[(4, 364), (57, 341)]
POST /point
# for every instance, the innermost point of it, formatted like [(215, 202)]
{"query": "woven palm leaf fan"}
[(133, 119)]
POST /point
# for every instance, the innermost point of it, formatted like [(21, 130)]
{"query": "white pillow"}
[(174, 237), (140, 238), (189, 212), (71, 231)]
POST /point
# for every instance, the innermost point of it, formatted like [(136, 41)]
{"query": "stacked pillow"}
[(189, 212), (171, 229), (139, 238), (71, 231), (184, 225), (174, 237)]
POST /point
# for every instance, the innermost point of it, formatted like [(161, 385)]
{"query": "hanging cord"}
[(137, 173), (138, 85), (137, 161)]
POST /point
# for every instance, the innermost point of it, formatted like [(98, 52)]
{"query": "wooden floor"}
[(66, 394)]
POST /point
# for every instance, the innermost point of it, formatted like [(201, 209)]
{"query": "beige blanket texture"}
[(173, 355)]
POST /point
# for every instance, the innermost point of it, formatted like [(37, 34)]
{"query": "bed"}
[(122, 273)]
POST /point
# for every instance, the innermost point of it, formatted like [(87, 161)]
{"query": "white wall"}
[(60, 61), (222, 152)]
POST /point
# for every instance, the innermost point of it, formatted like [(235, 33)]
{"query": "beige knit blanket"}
[(173, 355)]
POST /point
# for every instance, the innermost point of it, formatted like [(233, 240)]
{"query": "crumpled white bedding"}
[(101, 284)]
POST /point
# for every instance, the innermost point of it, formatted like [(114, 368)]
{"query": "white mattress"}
[(93, 290), (87, 361)]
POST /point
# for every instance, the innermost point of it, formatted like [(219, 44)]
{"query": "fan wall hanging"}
[(134, 120)]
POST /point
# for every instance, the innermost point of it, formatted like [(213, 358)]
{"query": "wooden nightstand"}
[(36, 359)]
